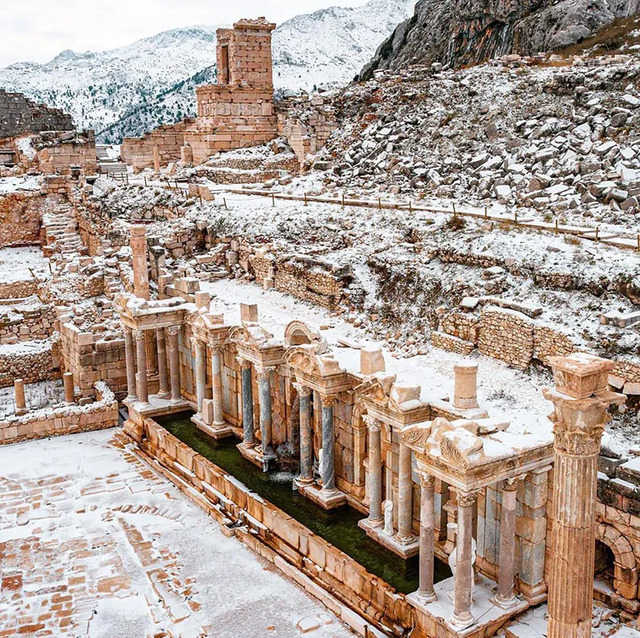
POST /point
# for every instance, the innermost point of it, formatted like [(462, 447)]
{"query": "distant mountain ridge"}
[(132, 89)]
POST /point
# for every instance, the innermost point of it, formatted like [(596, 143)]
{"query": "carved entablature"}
[(396, 404), (456, 452), (141, 314), (210, 328), (320, 372), (256, 344)]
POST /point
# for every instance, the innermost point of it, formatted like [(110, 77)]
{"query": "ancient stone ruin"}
[(422, 412)]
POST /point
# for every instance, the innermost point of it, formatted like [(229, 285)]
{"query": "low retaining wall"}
[(68, 419), (36, 363), (363, 598)]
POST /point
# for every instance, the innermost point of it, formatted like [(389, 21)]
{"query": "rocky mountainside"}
[(132, 89), (461, 32), (558, 136)]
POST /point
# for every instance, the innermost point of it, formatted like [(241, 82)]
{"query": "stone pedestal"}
[(465, 395), (581, 400)]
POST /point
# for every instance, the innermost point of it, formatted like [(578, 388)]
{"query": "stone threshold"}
[(390, 542)]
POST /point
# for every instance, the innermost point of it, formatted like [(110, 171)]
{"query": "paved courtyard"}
[(94, 543)]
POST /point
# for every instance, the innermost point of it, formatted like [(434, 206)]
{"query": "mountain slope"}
[(132, 89), (461, 32)]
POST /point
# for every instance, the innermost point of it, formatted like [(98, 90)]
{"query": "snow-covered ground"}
[(97, 545), (22, 263), (37, 396)]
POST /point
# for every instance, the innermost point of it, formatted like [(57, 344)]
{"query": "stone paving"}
[(94, 543)]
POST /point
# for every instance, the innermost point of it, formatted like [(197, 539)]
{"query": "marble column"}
[(130, 356), (69, 388), (426, 592), (174, 363), (306, 436), (328, 471), (216, 386), (581, 400), (248, 433), (141, 375), (264, 388), (506, 595), (405, 490), (201, 371), (375, 471), (463, 586), (163, 380)]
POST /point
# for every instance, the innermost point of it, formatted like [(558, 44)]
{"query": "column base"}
[(254, 455), (157, 406), (214, 431), (300, 482), (327, 499), (461, 622), (505, 603), (402, 549), (434, 617)]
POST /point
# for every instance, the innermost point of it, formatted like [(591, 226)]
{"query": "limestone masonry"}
[(422, 411)]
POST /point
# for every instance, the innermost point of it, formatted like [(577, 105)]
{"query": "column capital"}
[(244, 364), (427, 480), (138, 335), (172, 331), (327, 400), (511, 484), (216, 347), (198, 343), (373, 425), (264, 372), (302, 390), (467, 499)]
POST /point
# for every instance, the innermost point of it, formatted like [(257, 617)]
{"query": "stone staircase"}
[(62, 241), (112, 280)]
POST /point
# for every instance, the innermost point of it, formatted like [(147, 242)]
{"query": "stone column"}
[(426, 592), (506, 596), (216, 386), (328, 470), (174, 363), (18, 391), (163, 380), (67, 379), (141, 376), (130, 354), (465, 395), (405, 489), (248, 434), (264, 387), (375, 471), (138, 243), (306, 436), (581, 401), (201, 371), (463, 586)]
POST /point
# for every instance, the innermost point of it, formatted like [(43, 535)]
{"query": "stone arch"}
[(625, 565), (298, 333)]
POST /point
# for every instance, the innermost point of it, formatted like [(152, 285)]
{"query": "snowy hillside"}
[(129, 90)]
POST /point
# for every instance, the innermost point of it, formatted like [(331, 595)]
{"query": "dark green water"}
[(339, 527)]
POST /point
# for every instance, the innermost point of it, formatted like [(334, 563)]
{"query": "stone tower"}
[(238, 111)]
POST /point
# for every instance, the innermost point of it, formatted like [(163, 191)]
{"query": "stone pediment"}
[(252, 335), (298, 333), (383, 390), (306, 359)]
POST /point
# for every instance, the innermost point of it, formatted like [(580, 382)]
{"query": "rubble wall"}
[(69, 419), (20, 115), (506, 335), (20, 219), (26, 324), (32, 364)]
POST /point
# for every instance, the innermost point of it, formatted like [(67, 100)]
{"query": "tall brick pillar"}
[(581, 401), (138, 244)]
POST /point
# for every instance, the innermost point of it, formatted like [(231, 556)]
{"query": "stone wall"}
[(19, 115), (19, 289), (506, 335), (25, 322), (63, 156), (66, 419), (33, 361), (91, 359), (140, 152), (20, 219)]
